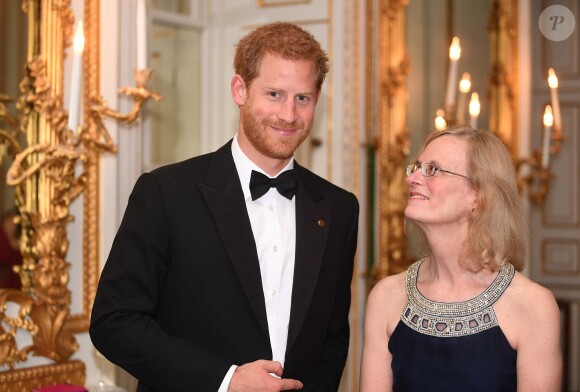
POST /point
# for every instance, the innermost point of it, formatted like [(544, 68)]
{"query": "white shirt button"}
[(275, 248), (270, 207), (273, 292)]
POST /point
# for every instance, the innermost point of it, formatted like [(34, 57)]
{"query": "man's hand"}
[(255, 377)]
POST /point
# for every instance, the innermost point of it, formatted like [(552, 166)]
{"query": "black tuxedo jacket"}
[(180, 298)]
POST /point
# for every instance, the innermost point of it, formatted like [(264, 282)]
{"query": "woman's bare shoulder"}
[(530, 297), (386, 302), (530, 320), (389, 289), (526, 310), (525, 303)]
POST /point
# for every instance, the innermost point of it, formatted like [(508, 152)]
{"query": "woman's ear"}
[(474, 206), (238, 87)]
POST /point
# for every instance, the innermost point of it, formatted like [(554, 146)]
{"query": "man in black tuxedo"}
[(231, 271)]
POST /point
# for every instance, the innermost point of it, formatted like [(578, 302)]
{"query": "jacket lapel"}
[(223, 194), (313, 220)]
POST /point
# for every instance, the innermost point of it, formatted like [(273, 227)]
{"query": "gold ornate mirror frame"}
[(387, 134), (386, 126), (43, 174), (503, 100), (90, 249)]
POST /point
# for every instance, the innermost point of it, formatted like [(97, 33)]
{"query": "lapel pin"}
[(321, 223)]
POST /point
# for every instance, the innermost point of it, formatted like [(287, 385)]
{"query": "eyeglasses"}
[(429, 170)]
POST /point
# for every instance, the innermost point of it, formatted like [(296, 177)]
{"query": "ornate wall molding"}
[(46, 178), (35, 377), (43, 174), (79, 322), (279, 3), (503, 81), (351, 142), (387, 136)]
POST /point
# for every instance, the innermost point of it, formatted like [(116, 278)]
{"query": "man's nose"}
[(287, 112)]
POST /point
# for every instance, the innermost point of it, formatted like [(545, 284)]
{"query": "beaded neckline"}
[(448, 319)]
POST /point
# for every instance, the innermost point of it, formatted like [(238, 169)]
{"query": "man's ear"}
[(239, 91)]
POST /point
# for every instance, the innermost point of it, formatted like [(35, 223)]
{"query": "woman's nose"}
[(413, 177)]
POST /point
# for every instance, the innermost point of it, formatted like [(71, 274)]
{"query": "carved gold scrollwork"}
[(140, 95), (9, 352), (394, 257), (391, 143), (45, 176), (503, 119), (387, 136), (533, 178), (27, 379)]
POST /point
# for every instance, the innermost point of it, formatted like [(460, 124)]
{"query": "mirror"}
[(431, 25), (408, 43), (487, 32), (54, 165), (12, 59), (175, 130), (15, 44)]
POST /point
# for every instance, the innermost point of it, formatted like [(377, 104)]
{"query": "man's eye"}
[(274, 94), (302, 98)]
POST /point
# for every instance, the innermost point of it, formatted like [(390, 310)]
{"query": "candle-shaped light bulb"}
[(548, 116), (79, 39), (141, 35), (552, 78), (454, 55), (440, 122), (474, 109), (465, 83), (553, 83), (455, 49), (77, 67), (464, 87), (548, 122)]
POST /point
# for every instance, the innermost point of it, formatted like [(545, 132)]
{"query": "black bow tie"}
[(285, 183)]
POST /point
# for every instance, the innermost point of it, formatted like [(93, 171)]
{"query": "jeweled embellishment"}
[(445, 319)]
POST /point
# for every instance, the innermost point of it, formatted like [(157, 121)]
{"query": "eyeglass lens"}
[(427, 169)]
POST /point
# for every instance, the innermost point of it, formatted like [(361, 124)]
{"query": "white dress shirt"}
[(273, 220)]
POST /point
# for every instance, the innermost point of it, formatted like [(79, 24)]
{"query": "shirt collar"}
[(244, 166)]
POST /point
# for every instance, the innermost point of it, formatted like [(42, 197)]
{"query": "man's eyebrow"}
[(309, 93)]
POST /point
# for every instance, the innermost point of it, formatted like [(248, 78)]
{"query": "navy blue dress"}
[(452, 346)]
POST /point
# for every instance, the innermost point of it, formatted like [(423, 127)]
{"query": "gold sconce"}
[(54, 161), (533, 172), (388, 139), (535, 182)]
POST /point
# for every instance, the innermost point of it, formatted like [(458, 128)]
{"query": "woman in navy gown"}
[(463, 318)]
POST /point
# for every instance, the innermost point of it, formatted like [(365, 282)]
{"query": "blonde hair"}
[(498, 230), (282, 39)]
